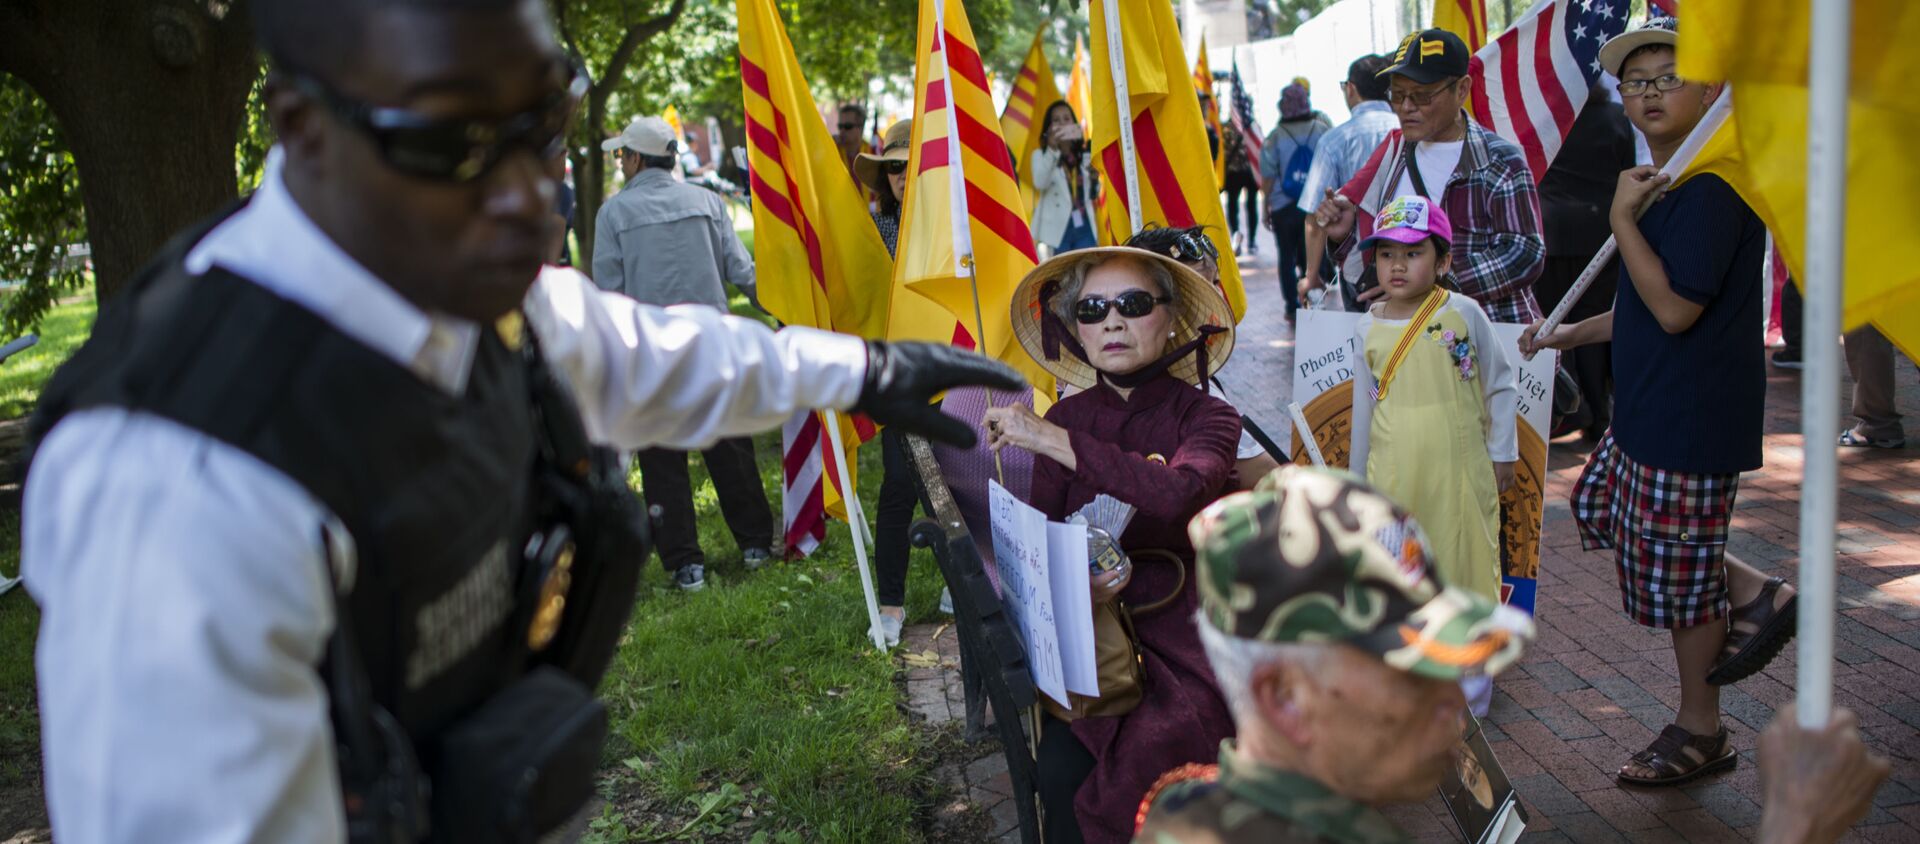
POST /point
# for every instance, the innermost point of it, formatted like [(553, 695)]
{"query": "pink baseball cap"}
[(1410, 219)]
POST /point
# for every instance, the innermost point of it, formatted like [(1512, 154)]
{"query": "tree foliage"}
[(40, 215)]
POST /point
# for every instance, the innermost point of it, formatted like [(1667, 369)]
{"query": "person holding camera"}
[(327, 520), (1064, 184)]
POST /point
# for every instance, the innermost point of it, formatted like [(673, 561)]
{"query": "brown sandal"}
[(1755, 635), (1679, 756)]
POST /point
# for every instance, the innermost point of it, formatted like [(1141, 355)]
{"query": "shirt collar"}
[(649, 176), (1303, 801), (273, 243)]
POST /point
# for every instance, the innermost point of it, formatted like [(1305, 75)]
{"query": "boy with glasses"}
[(1478, 177), (1689, 394)]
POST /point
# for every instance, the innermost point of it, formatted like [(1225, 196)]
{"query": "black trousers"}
[(1791, 316), (1289, 225), (743, 501), (899, 495), (1591, 365), (1062, 766), (1239, 183)]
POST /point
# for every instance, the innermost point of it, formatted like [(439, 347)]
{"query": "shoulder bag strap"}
[(1413, 171), (1407, 337)]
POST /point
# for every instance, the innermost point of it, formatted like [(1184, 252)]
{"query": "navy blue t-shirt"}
[(1694, 401)]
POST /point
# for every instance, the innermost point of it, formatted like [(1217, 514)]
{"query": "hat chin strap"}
[(1055, 336)]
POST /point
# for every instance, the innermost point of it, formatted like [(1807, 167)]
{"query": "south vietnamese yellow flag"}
[(819, 260), (1762, 46), (963, 242), (1170, 151), (1078, 87), (1024, 122), (1210, 112), (1468, 19)]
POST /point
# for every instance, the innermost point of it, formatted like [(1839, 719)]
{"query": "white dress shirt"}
[(183, 595)]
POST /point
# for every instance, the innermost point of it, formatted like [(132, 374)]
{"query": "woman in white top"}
[(1063, 183)]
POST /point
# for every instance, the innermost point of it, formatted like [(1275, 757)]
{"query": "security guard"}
[(1340, 652), (325, 521)]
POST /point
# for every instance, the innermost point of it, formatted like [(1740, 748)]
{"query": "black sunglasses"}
[(894, 167), (1132, 304), (848, 127), (452, 149), (1192, 247)]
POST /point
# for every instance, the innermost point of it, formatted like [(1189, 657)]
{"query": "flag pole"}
[(1828, 61), (1117, 62), (838, 455), (957, 196)]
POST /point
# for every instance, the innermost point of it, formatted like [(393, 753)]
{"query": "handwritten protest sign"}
[(1020, 553), (1326, 352)]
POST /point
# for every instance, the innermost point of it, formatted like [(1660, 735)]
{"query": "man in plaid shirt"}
[(1480, 178)]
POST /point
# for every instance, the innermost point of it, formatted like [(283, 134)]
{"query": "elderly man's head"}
[(1428, 86), (1335, 644)]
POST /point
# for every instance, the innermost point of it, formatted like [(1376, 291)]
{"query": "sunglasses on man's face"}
[(894, 167), (848, 127), (1420, 99), (452, 149), (1132, 304)]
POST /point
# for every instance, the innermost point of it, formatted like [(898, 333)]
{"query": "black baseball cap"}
[(1433, 55)]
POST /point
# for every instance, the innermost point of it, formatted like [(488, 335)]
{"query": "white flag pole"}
[(1117, 63), (1306, 434), (1828, 62), (1683, 157), (839, 457)]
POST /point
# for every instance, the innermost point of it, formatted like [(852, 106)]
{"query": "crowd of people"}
[(306, 648)]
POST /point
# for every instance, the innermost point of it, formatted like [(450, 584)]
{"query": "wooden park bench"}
[(993, 660)]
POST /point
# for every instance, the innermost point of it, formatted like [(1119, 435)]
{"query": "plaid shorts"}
[(1668, 531)]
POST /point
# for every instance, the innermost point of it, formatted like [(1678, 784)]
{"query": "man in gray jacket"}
[(664, 243)]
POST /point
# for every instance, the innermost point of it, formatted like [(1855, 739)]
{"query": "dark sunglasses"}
[(848, 127), (1132, 304), (894, 167), (1191, 247), (452, 149)]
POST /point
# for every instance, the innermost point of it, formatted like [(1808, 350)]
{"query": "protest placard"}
[(1073, 606), (1020, 553), (1326, 353)]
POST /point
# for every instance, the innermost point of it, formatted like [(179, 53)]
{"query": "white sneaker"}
[(754, 558), (890, 630)]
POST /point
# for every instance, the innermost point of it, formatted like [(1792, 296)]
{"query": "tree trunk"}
[(150, 95), (590, 172)]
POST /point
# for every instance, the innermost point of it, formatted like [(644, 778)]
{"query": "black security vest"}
[(439, 493)]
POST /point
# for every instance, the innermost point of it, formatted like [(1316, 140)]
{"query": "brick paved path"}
[(1595, 688)]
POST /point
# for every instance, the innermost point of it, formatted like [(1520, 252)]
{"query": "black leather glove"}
[(903, 377)]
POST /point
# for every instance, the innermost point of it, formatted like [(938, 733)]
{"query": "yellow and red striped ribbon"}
[(1408, 335)]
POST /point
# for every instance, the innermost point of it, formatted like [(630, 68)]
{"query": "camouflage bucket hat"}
[(1316, 555)]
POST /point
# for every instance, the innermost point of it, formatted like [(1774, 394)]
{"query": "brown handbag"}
[(1122, 664)]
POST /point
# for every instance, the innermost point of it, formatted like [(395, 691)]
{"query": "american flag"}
[(1243, 115), (1530, 83)]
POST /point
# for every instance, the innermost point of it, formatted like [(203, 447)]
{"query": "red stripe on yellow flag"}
[(1023, 123), (1465, 18), (1170, 139), (964, 242), (820, 260)]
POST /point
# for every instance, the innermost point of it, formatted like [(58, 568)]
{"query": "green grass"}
[(62, 331), (766, 683)]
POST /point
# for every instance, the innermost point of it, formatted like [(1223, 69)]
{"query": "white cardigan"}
[(1053, 194)]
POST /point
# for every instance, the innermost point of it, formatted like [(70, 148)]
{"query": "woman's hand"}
[(1638, 189), (1503, 474), (1017, 426), (1107, 585), (1065, 134)]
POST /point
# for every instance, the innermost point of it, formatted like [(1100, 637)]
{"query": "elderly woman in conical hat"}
[(1139, 333)]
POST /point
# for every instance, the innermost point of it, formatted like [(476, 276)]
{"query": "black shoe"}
[(691, 577), (1788, 358)]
